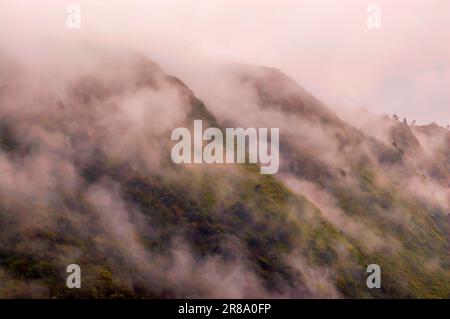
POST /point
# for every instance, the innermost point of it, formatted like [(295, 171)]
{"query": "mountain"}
[(86, 178)]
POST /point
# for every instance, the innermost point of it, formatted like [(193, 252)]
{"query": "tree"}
[(405, 121), (395, 117)]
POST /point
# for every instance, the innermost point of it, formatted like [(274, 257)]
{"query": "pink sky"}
[(323, 44)]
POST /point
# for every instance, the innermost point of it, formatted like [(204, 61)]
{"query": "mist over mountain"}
[(86, 178)]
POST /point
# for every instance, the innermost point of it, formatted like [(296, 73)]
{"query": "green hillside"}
[(86, 178)]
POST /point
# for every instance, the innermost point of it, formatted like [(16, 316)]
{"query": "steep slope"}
[(87, 179), (389, 197)]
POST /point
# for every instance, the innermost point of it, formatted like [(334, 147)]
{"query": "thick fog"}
[(326, 46)]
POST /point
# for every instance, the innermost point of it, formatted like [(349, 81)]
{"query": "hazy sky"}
[(325, 45)]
